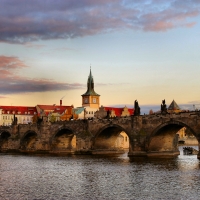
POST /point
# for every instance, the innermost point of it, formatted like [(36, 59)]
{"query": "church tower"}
[(90, 98)]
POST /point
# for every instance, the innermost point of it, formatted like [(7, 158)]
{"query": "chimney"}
[(61, 102)]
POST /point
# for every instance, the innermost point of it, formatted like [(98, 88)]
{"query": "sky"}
[(147, 50)]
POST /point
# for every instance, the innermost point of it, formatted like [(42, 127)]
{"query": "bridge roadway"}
[(149, 135)]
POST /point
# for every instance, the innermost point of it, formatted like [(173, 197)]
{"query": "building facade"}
[(23, 114), (55, 112)]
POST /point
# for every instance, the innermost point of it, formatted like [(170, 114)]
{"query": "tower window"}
[(94, 100)]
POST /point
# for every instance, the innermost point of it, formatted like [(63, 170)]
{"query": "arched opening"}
[(29, 141), (111, 140), (64, 140), (166, 139), (4, 136), (186, 137)]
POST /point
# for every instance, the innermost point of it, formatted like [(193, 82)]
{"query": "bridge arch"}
[(164, 137), (4, 136), (108, 138), (63, 140), (28, 141)]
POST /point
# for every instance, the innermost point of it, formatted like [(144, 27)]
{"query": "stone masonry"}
[(149, 135)]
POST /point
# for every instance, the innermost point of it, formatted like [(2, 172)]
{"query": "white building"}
[(84, 112), (23, 114)]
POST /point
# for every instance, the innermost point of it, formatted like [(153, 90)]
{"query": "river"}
[(97, 177)]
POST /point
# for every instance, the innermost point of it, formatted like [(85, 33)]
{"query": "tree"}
[(52, 118)]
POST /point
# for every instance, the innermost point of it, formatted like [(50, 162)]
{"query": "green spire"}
[(90, 85), (90, 82)]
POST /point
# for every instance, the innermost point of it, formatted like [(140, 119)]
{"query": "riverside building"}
[(24, 114)]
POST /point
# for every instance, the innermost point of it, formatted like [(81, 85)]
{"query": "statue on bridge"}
[(136, 108), (108, 114), (14, 120), (163, 107)]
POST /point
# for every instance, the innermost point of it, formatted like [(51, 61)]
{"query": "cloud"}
[(11, 83), (194, 102), (37, 46), (64, 49), (7, 63), (24, 21)]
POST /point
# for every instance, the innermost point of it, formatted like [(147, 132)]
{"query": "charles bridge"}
[(149, 135)]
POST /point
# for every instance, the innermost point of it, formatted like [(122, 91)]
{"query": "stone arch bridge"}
[(149, 135)]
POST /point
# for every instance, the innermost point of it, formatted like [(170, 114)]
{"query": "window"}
[(94, 100), (86, 100)]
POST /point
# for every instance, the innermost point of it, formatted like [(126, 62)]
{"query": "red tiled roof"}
[(47, 109), (22, 110), (52, 107), (60, 111), (118, 111)]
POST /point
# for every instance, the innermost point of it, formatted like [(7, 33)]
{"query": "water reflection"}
[(98, 177)]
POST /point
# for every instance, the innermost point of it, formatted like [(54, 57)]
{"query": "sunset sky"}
[(147, 50)]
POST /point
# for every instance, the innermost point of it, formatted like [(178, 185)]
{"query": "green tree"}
[(52, 118)]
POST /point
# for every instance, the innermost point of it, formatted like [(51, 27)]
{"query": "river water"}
[(96, 177)]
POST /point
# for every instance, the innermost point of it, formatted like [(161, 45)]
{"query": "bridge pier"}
[(137, 154), (163, 154), (107, 152)]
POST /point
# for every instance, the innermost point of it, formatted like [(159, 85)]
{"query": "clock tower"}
[(90, 98)]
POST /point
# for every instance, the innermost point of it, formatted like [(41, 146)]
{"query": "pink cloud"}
[(159, 26), (189, 25), (19, 84), (7, 62)]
